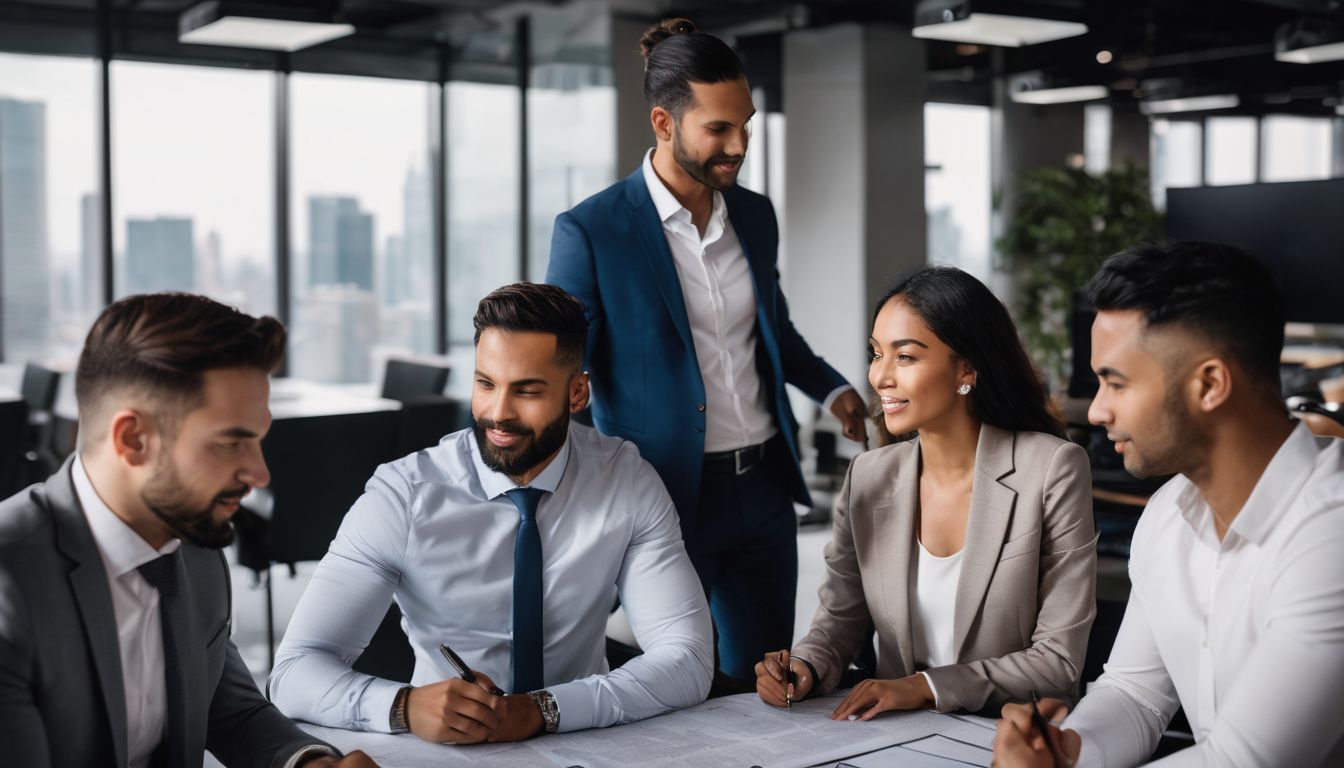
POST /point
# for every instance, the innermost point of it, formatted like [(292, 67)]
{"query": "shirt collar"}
[(1269, 499), (122, 548), (495, 484), (667, 204)]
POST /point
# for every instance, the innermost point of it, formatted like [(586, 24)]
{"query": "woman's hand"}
[(877, 696), (771, 683)]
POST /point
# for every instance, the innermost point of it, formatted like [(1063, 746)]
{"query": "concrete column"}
[(634, 136), (854, 191), (1129, 137)]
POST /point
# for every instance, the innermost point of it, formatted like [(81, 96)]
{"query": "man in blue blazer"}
[(690, 343)]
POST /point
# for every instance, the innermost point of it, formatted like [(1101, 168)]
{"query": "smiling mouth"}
[(893, 404)]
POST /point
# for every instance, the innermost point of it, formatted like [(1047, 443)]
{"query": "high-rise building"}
[(340, 242), (90, 252), (25, 293), (160, 255), (414, 280), (335, 333)]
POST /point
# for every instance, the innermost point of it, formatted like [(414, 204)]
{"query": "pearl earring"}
[(964, 389)]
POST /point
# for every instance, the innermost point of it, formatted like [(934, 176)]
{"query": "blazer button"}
[(700, 407)]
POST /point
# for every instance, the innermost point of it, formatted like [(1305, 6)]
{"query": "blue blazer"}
[(610, 252)]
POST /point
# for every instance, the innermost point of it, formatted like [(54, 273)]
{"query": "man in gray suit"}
[(114, 599)]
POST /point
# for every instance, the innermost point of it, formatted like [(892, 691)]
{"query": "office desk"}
[(731, 732), (300, 398)]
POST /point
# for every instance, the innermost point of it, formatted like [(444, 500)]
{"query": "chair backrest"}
[(404, 380), (39, 387), (424, 422), (319, 466), (13, 446)]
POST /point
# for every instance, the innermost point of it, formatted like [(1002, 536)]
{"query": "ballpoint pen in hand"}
[(790, 678), (462, 670), (1038, 720)]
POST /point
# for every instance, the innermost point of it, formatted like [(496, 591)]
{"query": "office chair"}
[(424, 422), (319, 466), (405, 380), (39, 390), (13, 447)]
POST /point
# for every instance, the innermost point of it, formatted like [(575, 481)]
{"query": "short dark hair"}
[(163, 343), (967, 317), (536, 308), (676, 55), (1218, 291)]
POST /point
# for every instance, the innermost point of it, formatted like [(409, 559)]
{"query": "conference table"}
[(729, 732)]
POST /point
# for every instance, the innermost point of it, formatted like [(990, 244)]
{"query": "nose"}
[(255, 473), (501, 408), (1098, 412), (737, 145), (881, 374)]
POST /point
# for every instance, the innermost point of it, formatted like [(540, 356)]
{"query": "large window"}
[(193, 180), (50, 235), (1295, 148), (1176, 162), (1230, 150), (957, 186), (361, 216), (483, 196)]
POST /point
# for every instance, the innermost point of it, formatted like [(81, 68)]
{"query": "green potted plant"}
[(1064, 224)]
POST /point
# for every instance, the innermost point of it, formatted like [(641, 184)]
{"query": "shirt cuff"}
[(313, 750), (830, 399), (574, 702), (375, 704), (933, 688)]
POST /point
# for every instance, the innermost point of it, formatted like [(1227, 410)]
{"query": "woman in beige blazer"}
[(971, 546)]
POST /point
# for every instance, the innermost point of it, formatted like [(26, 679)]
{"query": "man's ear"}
[(133, 436), (662, 122), (578, 392), (1211, 384)]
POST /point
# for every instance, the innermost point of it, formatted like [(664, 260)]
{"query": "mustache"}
[(507, 427), (232, 493), (727, 159)]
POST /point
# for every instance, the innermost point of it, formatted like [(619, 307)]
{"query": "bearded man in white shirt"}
[(1236, 611)]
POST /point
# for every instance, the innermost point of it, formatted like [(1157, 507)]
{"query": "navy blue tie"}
[(527, 643), (161, 573)]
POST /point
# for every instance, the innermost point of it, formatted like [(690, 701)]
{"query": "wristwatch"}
[(396, 719), (550, 713)]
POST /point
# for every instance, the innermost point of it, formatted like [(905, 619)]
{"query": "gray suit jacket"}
[(61, 696), (1026, 596)]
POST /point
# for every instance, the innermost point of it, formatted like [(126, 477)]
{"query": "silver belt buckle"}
[(737, 461)]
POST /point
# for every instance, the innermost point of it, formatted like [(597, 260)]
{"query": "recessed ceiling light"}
[(1060, 95), (1104, 57), (1191, 104), (954, 20), (253, 26)]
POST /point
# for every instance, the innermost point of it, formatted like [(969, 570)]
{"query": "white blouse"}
[(934, 603)]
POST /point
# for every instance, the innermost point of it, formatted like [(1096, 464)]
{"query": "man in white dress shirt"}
[(1236, 610), (115, 603), (509, 543)]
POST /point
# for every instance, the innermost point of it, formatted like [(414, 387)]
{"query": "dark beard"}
[(697, 170), (166, 498), (532, 451)]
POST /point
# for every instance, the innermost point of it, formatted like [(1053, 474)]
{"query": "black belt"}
[(738, 461)]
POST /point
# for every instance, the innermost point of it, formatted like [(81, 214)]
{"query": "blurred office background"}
[(369, 189)]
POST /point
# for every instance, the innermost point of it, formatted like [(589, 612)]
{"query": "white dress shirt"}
[(720, 297), (1246, 634), (135, 603), (435, 531)]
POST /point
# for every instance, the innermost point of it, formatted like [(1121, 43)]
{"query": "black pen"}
[(1038, 720), (790, 678), (462, 670)]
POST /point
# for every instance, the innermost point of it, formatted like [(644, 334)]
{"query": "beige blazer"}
[(1026, 596)]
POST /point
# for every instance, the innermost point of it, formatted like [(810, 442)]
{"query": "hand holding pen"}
[(782, 679), (463, 671)]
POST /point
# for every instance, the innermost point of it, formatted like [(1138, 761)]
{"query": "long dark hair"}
[(963, 313), (676, 55)]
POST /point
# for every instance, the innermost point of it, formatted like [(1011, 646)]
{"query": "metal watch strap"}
[(396, 719), (550, 712)]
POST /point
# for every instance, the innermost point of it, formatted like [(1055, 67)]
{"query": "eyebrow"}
[(533, 382), (239, 432), (1108, 372), (899, 343), (730, 122)]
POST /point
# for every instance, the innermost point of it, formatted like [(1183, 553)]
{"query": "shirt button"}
[(700, 407)]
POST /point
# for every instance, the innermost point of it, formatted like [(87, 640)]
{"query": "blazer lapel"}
[(88, 581), (644, 217), (895, 524), (991, 511)]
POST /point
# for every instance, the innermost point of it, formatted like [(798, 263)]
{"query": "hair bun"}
[(661, 31)]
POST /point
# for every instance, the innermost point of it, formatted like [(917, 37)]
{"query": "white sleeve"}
[(665, 603), (340, 610)]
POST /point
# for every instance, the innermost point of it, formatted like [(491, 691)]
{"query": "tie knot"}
[(526, 500), (161, 573)]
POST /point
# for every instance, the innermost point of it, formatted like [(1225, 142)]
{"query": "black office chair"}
[(13, 447), (39, 389), (319, 466), (426, 420), (405, 380)]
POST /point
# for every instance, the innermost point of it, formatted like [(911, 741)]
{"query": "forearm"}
[(1118, 729)]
